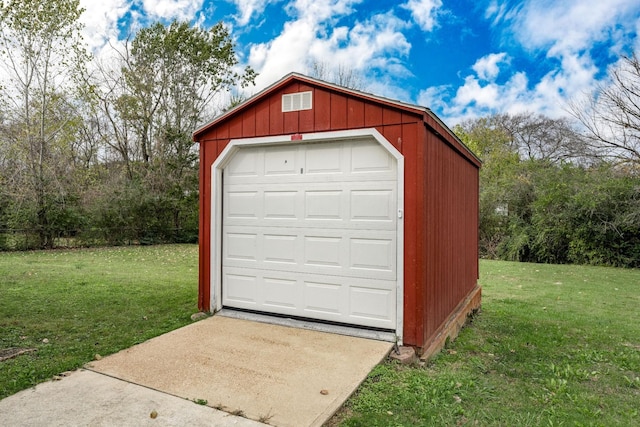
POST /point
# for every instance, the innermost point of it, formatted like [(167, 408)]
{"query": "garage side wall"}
[(451, 239)]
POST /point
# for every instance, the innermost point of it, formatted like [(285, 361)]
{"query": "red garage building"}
[(332, 205)]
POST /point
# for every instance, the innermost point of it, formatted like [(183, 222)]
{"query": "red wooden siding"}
[(441, 191), (451, 223)]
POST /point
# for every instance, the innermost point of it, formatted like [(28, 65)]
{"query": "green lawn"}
[(87, 302), (553, 345)]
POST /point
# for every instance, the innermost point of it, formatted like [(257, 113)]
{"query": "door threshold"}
[(310, 325)]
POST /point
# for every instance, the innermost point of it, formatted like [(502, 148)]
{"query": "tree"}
[(540, 137), (171, 75), (493, 145), (342, 75), (38, 41), (611, 115), (144, 106), (543, 208)]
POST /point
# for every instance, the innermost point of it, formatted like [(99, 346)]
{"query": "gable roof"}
[(429, 117)]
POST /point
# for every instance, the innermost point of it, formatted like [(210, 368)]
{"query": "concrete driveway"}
[(240, 372)]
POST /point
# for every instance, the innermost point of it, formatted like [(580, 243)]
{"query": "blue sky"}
[(463, 59)]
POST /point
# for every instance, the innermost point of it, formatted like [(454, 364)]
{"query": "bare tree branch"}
[(611, 115)]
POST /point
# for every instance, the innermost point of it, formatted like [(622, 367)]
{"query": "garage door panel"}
[(280, 204), (373, 205), (324, 251), (371, 158), (241, 246), (315, 224), (349, 253), (311, 230), (319, 184), (323, 204), (324, 159), (280, 160), (325, 298), (280, 292), (245, 164), (308, 178), (373, 254), (281, 248), (364, 205), (242, 288), (365, 302), (374, 304), (243, 204)]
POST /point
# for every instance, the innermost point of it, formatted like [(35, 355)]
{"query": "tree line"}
[(552, 193), (99, 151)]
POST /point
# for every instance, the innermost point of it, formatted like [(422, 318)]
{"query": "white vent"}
[(296, 101)]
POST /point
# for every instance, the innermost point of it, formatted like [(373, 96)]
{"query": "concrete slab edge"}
[(341, 400)]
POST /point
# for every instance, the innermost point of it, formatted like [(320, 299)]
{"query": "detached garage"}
[(331, 205)]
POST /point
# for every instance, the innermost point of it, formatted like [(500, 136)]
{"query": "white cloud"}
[(475, 99), (314, 35), (284, 54), (248, 8), (435, 97), (496, 11), (100, 19), (424, 12), (637, 41), (487, 66), (169, 9), (473, 93), (322, 10), (564, 27), (565, 32), (479, 96), (369, 44)]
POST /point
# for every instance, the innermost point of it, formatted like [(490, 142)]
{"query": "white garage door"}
[(309, 230)]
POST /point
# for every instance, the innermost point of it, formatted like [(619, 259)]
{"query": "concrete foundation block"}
[(404, 355)]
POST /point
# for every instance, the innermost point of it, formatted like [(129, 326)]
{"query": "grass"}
[(553, 346), (73, 304)]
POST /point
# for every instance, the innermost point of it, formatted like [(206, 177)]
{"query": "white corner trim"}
[(216, 204)]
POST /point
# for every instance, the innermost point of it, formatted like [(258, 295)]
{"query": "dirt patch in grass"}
[(10, 353)]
